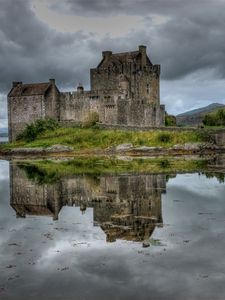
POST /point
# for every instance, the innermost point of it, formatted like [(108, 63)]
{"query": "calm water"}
[(82, 237)]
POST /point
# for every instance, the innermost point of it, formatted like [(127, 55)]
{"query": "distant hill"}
[(3, 132), (194, 117)]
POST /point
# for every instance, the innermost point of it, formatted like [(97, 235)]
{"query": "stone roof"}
[(29, 89), (125, 56), (122, 58)]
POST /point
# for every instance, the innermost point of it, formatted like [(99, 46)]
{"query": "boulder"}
[(124, 147)]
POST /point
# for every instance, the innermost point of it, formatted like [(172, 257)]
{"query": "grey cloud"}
[(129, 7), (31, 51), (188, 41)]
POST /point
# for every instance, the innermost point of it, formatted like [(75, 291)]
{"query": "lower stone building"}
[(124, 91)]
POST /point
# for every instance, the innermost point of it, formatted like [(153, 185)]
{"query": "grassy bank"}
[(95, 138), (47, 171)]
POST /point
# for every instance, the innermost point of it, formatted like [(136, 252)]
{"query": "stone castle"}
[(124, 91)]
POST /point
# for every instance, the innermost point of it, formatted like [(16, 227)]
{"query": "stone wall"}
[(52, 102), (76, 106), (22, 111)]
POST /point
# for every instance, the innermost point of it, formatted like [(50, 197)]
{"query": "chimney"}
[(80, 88), (15, 83), (106, 54), (52, 81), (142, 51)]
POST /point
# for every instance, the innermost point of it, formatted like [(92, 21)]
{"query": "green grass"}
[(49, 171), (94, 138)]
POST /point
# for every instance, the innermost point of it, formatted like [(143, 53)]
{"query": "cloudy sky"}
[(42, 39)]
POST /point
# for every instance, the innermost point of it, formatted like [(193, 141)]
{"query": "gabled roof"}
[(126, 56), (123, 58), (29, 89)]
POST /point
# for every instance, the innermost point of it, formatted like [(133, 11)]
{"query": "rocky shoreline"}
[(123, 149)]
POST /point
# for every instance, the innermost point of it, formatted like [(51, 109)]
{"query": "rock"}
[(187, 146), (52, 149), (59, 148), (145, 244), (27, 150), (177, 147), (190, 146), (146, 148), (124, 147)]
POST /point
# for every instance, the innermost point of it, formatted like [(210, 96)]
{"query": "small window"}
[(148, 88)]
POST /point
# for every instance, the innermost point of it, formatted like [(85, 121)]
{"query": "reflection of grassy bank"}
[(46, 171), (95, 138)]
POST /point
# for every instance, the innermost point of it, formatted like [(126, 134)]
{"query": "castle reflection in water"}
[(126, 207)]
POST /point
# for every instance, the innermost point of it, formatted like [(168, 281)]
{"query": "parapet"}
[(106, 54), (51, 80), (16, 83)]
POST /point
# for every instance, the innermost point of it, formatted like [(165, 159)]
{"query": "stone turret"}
[(142, 51)]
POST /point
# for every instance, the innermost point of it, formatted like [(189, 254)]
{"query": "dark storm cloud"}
[(31, 51), (131, 7), (185, 37), (190, 39), (187, 40)]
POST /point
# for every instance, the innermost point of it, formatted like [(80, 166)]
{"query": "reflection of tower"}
[(125, 206), (139, 207), (28, 197)]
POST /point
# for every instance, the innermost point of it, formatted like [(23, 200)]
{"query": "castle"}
[(124, 91)]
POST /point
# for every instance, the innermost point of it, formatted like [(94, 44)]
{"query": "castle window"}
[(148, 88)]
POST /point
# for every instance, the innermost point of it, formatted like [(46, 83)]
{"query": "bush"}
[(164, 137), (34, 129), (170, 120), (164, 163), (204, 135), (215, 119), (91, 119)]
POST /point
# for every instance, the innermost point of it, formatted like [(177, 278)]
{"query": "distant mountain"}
[(3, 132), (194, 117)]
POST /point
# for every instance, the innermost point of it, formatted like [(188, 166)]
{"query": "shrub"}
[(164, 137), (91, 119), (164, 163), (39, 126), (204, 136), (215, 119), (170, 120)]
